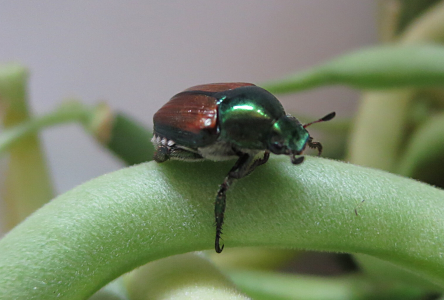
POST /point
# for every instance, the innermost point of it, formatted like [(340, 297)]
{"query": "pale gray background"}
[(137, 54)]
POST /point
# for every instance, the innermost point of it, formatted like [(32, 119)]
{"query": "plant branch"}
[(382, 67), (27, 184), (87, 237), (269, 285), (425, 146), (187, 276), (67, 113)]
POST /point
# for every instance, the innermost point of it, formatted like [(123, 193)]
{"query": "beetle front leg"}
[(239, 170), (315, 145)]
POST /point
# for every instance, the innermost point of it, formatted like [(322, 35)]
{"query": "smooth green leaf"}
[(380, 67)]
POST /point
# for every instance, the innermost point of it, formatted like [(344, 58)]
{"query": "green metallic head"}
[(288, 136)]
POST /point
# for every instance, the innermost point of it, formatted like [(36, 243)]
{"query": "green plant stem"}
[(377, 135), (123, 136), (428, 27), (383, 150), (115, 290), (74, 113), (299, 81), (85, 238), (252, 258), (129, 140), (379, 129), (411, 10), (392, 275), (425, 146), (187, 276), (383, 67), (276, 286), (27, 183), (389, 15)]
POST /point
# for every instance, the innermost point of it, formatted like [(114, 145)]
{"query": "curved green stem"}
[(85, 238), (381, 272), (425, 146), (70, 112), (378, 132), (27, 183), (428, 27), (115, 290), (252, 258), (377, 135), (268, 285), (187, 276), (127, 139), (382, 67)]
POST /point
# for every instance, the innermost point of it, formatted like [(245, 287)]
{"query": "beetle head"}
[(288, 136)]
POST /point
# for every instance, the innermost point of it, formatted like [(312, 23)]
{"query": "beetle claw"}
[(297, 160), (217, 247), (315, 145)]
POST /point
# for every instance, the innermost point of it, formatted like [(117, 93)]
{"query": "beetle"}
[(221, 121)]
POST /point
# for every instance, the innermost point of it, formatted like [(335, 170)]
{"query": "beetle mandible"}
[(221, 121)]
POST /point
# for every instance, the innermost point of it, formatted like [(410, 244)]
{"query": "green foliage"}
[(380, 67), (91, 235), (146, 212)]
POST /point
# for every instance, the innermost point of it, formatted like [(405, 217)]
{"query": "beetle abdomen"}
[(189, 119)]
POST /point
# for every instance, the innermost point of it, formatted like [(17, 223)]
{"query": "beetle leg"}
[(164, 152), (256, 163), (244, 166), (263, 160), (239, 170), (315, 145)]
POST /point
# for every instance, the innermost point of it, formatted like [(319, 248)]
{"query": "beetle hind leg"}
[(162, 154), (167, 149)]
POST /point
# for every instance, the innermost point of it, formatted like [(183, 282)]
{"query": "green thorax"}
[(246, 116)]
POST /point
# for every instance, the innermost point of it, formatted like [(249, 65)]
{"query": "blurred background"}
[(136, 54)]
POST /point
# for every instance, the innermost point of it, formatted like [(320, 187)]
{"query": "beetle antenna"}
[(323, 119)]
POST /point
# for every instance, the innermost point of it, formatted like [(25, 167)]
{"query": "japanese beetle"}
[(221, 121)]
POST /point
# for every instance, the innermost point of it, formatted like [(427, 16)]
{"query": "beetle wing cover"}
[(218, 87), (189, 119)]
